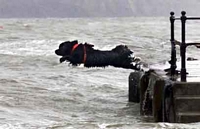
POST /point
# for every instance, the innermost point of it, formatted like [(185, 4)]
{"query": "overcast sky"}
[(95, 8)]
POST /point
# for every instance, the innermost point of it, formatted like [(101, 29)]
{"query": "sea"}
[(37, 92)]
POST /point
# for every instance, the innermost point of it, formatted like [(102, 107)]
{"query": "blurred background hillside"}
[(95, 8)]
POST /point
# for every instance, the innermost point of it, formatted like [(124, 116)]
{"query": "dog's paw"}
[(62, 60), (137, 59), (135, 66), (138, 67), (65, 58), (134, 58)]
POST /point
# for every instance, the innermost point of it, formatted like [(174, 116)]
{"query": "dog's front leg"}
[(64, 58)]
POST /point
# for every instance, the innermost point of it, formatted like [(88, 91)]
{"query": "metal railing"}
[(182, 44)]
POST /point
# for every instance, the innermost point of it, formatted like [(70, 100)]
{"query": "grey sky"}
[(95, 8)]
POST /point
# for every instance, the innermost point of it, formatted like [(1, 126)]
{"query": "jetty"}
[(170, 94)]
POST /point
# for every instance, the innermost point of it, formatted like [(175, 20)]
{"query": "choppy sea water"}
[(36, 91)]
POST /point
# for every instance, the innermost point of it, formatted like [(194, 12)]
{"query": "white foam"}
[(29, 47)]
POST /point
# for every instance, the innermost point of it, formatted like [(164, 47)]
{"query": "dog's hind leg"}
[(135, 62), (136, 66)]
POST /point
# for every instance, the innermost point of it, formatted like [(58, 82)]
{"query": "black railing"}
[(173, 46), (182, 44)]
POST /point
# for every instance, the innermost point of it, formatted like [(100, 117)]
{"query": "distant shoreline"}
[(95, 8)]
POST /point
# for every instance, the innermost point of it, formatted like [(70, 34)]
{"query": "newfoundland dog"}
[(77, 53)]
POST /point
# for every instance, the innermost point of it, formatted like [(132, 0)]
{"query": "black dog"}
[(85, 54)]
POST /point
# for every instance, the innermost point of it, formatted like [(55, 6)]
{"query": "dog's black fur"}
[(120, 56)]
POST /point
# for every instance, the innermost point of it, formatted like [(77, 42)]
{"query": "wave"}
[(29, 47)]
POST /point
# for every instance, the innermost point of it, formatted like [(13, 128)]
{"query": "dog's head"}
[(65, 48)]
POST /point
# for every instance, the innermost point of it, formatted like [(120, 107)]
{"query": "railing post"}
[(173, 46), (183, 47)]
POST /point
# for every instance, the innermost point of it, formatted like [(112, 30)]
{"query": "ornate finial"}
[(183, 13), (172, 13)]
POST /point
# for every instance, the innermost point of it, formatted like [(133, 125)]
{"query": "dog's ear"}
[(75, 42)]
